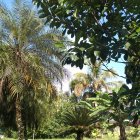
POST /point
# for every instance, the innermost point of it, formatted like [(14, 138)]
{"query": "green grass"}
[(104, 138), (109, 136), (41, 139)]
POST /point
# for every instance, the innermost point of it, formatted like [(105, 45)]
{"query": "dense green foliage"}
[(103, 31), (117, 109), (30, 64), (106, 30)]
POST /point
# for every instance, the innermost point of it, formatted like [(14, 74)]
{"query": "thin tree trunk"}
[(122, 132), (25, 131), (1, 86), (80, 136), (33, 134), (19, 122)]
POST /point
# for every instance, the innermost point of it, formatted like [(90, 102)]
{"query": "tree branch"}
[(112, 71)]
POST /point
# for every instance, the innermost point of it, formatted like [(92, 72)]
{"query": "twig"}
[(112, 71)]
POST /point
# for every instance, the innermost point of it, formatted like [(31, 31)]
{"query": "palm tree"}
[(29, 60), (97, 79), (79, 120), (79, 83)]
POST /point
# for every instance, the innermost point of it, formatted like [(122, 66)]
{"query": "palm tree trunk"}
[(122, 132), (80, 135), (19, 122)]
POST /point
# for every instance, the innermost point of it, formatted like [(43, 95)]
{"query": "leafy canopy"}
[(103, 29)]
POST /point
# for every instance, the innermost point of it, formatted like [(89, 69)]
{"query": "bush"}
[(10, 133)]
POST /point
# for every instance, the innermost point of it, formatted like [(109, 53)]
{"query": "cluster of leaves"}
[(65, 118), (102, 29), (52, 123), (118, 109)]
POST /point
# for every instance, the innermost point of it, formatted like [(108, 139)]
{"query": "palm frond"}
[(30, 56)]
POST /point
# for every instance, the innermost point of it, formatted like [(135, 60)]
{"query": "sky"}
[(118, 67)]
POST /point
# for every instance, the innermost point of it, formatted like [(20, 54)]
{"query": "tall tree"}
[(100, 77), (97, 79), (79, 83), (29, 60)]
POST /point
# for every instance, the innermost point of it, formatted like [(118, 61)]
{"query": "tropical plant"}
[(29, 60), (97, 79), (7, 110), (79, 83), (100, 77), (79, 121), (116, 106), (51, 125)]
